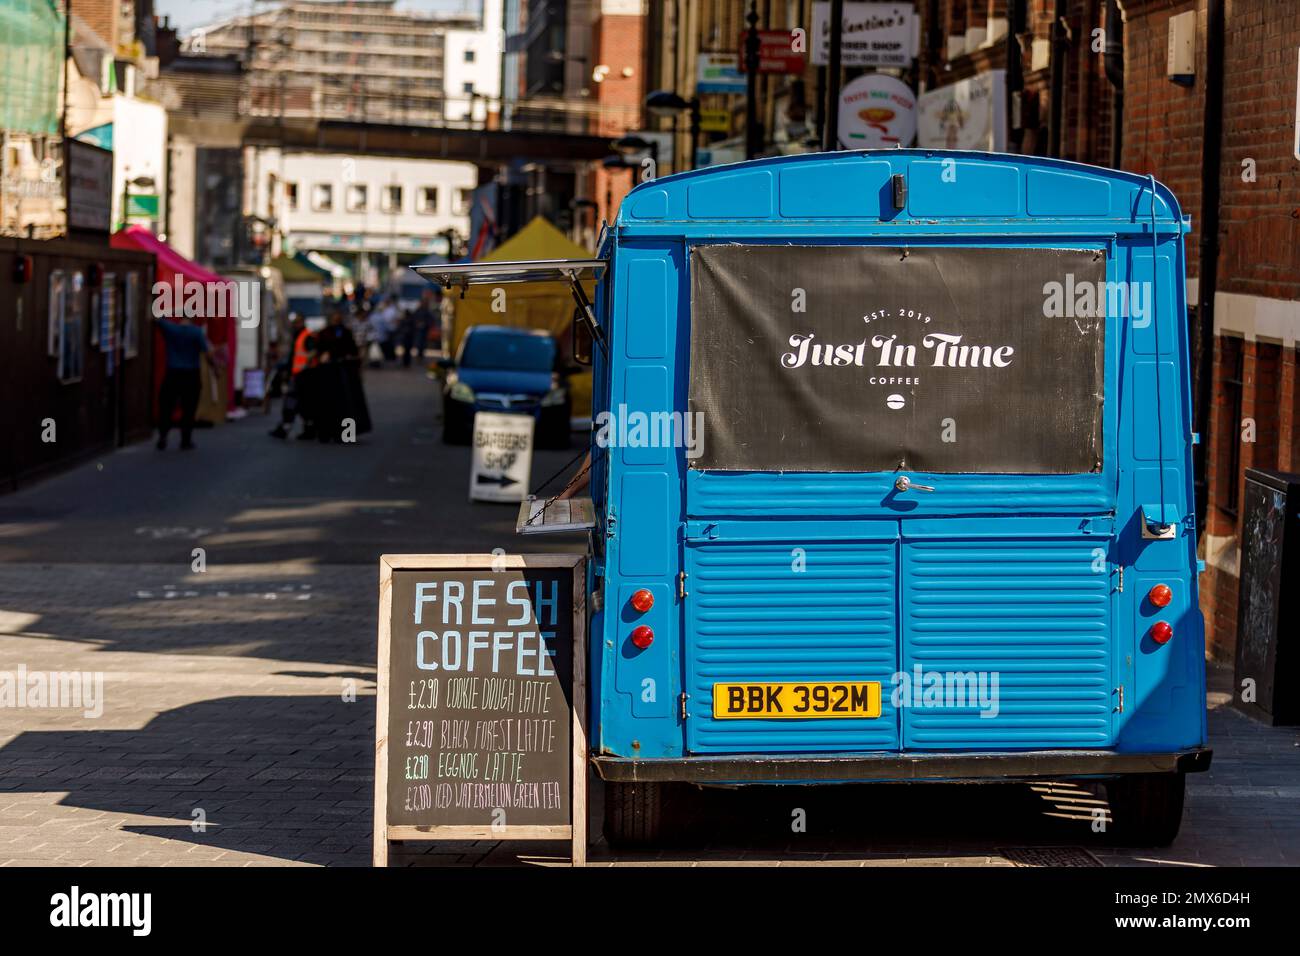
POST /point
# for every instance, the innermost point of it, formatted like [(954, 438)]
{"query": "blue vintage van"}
[(891, 481)]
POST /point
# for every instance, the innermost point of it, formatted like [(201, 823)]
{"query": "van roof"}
[(941, 185)]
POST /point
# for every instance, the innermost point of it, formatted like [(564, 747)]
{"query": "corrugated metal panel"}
[(1035, 613), (777, 611)]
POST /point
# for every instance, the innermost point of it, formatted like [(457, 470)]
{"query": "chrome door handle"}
[(903, 483)]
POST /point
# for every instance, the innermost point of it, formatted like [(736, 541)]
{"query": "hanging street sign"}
[(715, 121), (776, 52), (877, 111), (875, 34), (719, 73)]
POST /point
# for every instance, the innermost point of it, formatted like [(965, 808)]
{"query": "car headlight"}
[(462, 392), (555, 396)]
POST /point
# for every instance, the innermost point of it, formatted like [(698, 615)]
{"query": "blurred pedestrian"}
[(421, 320), (340, 396), (297, 396), (186, 345), (406, 335), (385, 321)]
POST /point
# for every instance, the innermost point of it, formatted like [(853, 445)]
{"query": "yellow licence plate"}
[(802, 700)]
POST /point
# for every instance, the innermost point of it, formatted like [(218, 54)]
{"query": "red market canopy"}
[(170, 261)]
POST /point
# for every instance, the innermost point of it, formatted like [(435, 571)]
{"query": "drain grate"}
[(1049, 856)]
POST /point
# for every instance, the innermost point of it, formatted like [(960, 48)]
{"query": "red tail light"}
[(643, 600), (643, 637), (1160, 595), (1161, 632)]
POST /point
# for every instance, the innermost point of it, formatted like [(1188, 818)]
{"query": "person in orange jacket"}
[(297, 398)]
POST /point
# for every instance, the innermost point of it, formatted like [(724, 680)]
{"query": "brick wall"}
[(101, 16), (617, 42), (1259, 216), (1162, 119), (1260, 219), (1259, 234)]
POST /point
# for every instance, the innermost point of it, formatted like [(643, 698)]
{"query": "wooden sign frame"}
[(576, 831)]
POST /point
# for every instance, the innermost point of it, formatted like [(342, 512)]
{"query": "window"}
[(1232, 359), (358, 198), (469, 56), (1266, 376), (131, 315), (72, 345), (392, 199), (291, 196), (464, 199), (426, 201), (508, 349), (322, 197), (104, 320), (468, 88), (54, 328)]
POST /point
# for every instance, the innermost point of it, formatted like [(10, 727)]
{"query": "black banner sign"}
[(869, 358), (477, 691)]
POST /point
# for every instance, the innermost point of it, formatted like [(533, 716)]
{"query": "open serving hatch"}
[(550, 515), (536, 515), (571, 271)]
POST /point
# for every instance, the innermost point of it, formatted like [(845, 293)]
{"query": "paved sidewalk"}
[(224, 703)]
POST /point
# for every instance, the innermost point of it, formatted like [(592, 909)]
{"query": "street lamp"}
[(667, 103), (631, 145)]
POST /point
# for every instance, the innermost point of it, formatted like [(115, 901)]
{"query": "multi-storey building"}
[(472, 67), (361, 60), (372, 214)]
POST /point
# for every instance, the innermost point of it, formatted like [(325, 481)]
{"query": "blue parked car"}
[(892, 482), (512, 370)]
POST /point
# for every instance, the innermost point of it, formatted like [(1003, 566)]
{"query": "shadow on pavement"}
[(292, 613), (284, 777)]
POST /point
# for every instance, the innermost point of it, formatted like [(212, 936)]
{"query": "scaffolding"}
[(31, 66)]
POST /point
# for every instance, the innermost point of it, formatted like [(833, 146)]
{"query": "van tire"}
[(1146, 808), (634, 813)]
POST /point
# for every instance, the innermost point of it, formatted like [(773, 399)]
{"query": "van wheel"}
[(1146, 808), (634, 813)]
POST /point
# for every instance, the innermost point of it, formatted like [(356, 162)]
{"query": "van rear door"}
[(908, 476)]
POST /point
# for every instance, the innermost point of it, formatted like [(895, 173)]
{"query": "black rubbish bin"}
[(1268, 600)]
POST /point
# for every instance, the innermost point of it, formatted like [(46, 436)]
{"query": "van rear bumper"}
[(940, 766)]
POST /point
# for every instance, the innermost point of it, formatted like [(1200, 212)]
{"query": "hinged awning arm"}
[(584, 308)]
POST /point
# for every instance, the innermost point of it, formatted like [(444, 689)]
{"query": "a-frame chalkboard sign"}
[(480, 727)]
